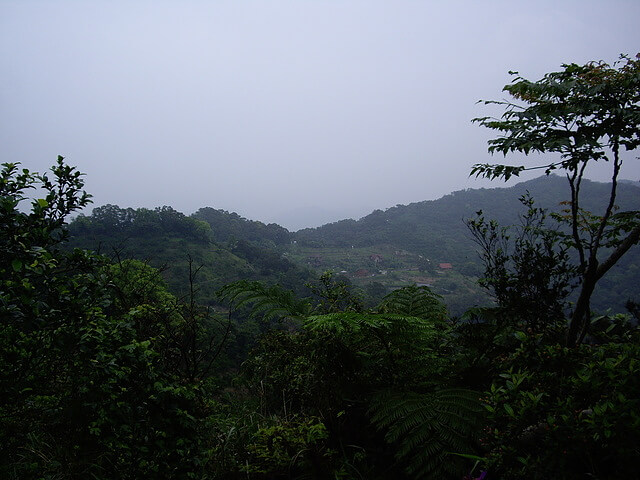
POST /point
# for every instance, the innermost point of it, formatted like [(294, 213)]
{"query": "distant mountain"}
[(630, 182), (299, 217), (435, 229), (421, 227), (384, 250)]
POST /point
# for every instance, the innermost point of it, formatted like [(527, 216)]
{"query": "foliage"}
[(527, 268), (554, 411), (584, 113), (173, 242), (85, 392), (428, 428), (579, 112), (618, 328), (231, 227), (110, 219), (281, 449), (566, 413), (342, 363), (392, 349), (334, 295), (268, 302), (415, 301)]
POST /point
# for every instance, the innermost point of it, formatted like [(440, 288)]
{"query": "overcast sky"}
[(295, 112)]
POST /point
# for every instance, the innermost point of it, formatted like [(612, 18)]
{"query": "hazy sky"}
[(298, 112)]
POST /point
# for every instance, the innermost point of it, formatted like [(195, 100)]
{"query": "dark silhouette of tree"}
[(586, 113)]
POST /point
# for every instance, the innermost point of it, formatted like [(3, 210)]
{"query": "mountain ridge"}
[(406, 242)]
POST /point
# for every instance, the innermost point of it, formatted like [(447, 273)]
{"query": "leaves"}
[(87, 387), (269, 302), (492, 172), (527, 268), (579, 112), (429, 426), (415, 301)]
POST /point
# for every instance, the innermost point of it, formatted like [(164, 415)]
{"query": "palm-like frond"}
[(428, 428), (268, 301), (416, 302), (404, 347), (357, 322)]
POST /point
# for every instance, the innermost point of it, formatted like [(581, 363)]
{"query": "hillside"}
[(407, 243), (426, 243), (223, 250), (419, 227)]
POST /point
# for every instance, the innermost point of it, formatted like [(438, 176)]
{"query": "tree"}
[(527, 268), (585, 113), (88, 387)]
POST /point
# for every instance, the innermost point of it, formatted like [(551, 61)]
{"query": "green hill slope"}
[(425, 243), (168, 240), (411, 241)]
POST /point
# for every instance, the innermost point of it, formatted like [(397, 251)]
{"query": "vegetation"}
[(110, 368), (585, 113), (170, 240), (93, 376), (414, 239)]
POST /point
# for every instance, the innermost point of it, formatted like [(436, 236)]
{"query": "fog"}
[(295, 112)]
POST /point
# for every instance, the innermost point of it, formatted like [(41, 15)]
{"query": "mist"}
[(298, 113)]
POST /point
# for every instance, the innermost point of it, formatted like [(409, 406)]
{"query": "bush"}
[(563, 412)]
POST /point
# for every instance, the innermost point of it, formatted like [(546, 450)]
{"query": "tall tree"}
[(585, 113)]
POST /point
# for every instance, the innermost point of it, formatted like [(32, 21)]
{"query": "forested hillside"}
[(223, 247), (421, 227), (387, 249), (226, 227), (422, 235)]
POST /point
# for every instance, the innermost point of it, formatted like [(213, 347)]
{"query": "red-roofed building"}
[(445, 266)]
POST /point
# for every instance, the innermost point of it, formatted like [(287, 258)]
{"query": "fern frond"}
[(403, 345), (415, 301), (266, 301), (354, 321), (426, 427)]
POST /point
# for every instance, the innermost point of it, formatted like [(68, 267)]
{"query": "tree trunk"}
[(579, 318), (595, 272)]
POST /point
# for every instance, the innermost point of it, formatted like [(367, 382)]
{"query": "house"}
[(445, 266)]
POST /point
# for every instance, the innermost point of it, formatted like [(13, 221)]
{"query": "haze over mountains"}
[(303, 217), (381, 251), (299, 217)]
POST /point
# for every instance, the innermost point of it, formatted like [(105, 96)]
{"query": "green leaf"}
[(509, 410), (520, 336), (16, 264), (43, 203)]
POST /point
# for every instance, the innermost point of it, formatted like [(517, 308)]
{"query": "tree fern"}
[(355, 322), (269, 301), (404, 348), (428, 429), (416, 302)]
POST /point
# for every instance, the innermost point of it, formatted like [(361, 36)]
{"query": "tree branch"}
[(625, 245)]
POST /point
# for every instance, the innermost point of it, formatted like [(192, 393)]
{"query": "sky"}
[(288, 111)]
